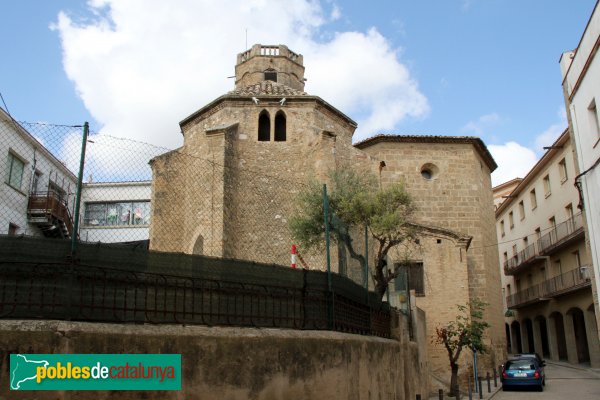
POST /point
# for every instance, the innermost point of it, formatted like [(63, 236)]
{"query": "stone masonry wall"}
[(246, 190), (458, 198), (236, 363)]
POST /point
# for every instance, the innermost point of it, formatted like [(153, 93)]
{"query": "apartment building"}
[(37, 195), (581, 88), (546, 266)]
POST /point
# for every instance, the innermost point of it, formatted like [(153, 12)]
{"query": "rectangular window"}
[(36, 182), (533, 199), (522, 210), (547, 189), (562, 170), (594, 119), (117, 214), (569, 211), (502, 232), (525, 242), (505, 256), (15, 167), (413, 272), (511, 220), (577, 258), (538, 233), (514, 248)]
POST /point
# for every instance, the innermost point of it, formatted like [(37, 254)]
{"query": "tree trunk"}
[(381, 283), (454, 380)]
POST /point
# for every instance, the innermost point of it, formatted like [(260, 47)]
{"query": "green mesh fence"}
[(115, 283), (195, 201)]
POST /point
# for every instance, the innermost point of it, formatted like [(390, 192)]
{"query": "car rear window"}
[(520, 364)]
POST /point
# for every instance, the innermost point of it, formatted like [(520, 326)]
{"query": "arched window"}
[(264, 127), (280, 127)]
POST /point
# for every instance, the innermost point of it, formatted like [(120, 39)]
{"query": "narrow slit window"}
[(264, 127), (280, 125)]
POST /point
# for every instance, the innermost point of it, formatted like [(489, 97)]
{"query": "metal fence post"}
[(441, 394), (329, 293), (366, 271), (487, 377), (86, 130), (470, 391), (480, 388)]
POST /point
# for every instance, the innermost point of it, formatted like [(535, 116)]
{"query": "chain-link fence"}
[(196, 200), (201, 201)]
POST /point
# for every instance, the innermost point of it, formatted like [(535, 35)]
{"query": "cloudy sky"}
[(135, 68)]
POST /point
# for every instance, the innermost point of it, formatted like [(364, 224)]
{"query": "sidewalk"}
[(464, 395), (580, 367)]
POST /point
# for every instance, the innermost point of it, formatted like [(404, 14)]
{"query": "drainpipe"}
[(578, 183)]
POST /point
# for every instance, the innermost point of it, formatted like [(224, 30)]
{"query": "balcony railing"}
[(573, 280), (522, 258), (555, 238), (46, 208), (561, 234)]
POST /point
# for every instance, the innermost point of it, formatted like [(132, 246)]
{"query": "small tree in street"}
[(466, 331)]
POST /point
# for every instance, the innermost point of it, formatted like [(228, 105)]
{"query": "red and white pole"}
[(294, 256)]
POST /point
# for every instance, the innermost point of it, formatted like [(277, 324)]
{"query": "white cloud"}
[(141, 67), (549, 136), (481, 124), (513, 161)]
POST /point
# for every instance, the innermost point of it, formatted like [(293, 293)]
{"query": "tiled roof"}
[(267, 88), (475, 141)]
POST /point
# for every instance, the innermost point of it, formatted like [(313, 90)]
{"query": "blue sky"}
[(134, 69)]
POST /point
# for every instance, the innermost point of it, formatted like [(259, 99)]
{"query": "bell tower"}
[(269, 63)]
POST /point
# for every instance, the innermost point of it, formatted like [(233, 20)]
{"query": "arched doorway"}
[(541, 324), (529, 332), (559, 333), (581, 342), (198, 246), (508, 343), (515, 327)]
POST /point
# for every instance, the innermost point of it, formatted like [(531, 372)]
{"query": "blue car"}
[(523, 372)]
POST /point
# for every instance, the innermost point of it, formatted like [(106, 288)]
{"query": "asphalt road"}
[(562, 383)]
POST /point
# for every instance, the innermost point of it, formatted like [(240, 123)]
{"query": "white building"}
[(38, 190), (115, 212), (546, 265), (581, 87)]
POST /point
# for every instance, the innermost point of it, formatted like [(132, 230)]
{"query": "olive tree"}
[(357, 201)]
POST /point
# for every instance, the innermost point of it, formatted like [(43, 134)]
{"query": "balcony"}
[(557, 286), (527, 256), (561, 235), (50, 212)]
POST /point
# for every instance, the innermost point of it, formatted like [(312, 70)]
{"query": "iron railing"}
[(569, 281), (48, 205), (560, 234), (100, 294), (556, 237)]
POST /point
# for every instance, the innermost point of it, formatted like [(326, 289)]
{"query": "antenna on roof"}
[(246, 39)]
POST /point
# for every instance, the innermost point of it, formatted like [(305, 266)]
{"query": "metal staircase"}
[(50, 212)]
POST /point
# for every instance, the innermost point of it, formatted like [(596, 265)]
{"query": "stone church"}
[(230, 189)]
